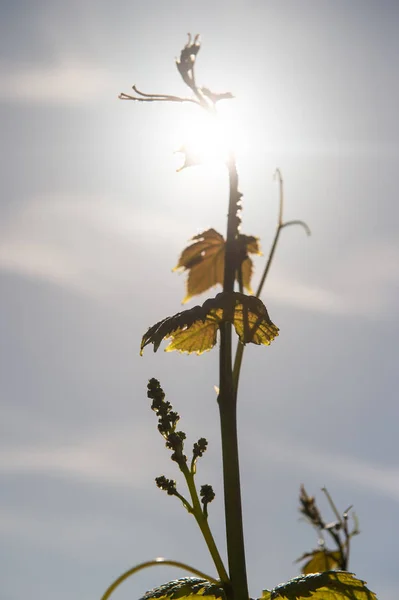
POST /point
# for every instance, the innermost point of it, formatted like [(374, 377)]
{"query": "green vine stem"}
[(280, 226), (227, 400), (155, 563), (203, 524)]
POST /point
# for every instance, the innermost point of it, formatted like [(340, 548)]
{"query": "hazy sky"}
[(93, 218)]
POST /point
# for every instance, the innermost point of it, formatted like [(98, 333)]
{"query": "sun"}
[(203, 138)]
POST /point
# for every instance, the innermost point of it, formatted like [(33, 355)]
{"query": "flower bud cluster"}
[(167, 421)]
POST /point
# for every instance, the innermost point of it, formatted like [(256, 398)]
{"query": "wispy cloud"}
[(373, 477), (84, 243), (366, 284), (307, 296), (43, 261), (104, 458), (65, 83)]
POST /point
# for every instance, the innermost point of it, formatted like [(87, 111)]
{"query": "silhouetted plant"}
[(210, 260), (324, 558)]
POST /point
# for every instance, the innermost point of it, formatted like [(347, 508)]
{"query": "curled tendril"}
[(155, 563)]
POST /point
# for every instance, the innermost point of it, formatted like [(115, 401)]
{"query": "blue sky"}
[(93, 218)]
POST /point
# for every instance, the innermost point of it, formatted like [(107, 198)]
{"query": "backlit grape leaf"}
[(188, 587), (204, 259), (331, 585), (198, 337), (248, 244), (195, 330), (320, 560)]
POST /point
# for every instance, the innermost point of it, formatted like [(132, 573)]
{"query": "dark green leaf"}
[(331, 585), (188, 587)]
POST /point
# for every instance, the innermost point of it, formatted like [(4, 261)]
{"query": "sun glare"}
[(203, 138)]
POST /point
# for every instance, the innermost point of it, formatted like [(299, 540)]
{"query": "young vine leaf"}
[(187, 587), (247, 244), (195, 330), (190, 158), (319, 561), (332, 585), (204, 260)]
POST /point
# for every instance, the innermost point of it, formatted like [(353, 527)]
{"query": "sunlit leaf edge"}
[(250, 318), (186, 587), (342, 584)]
